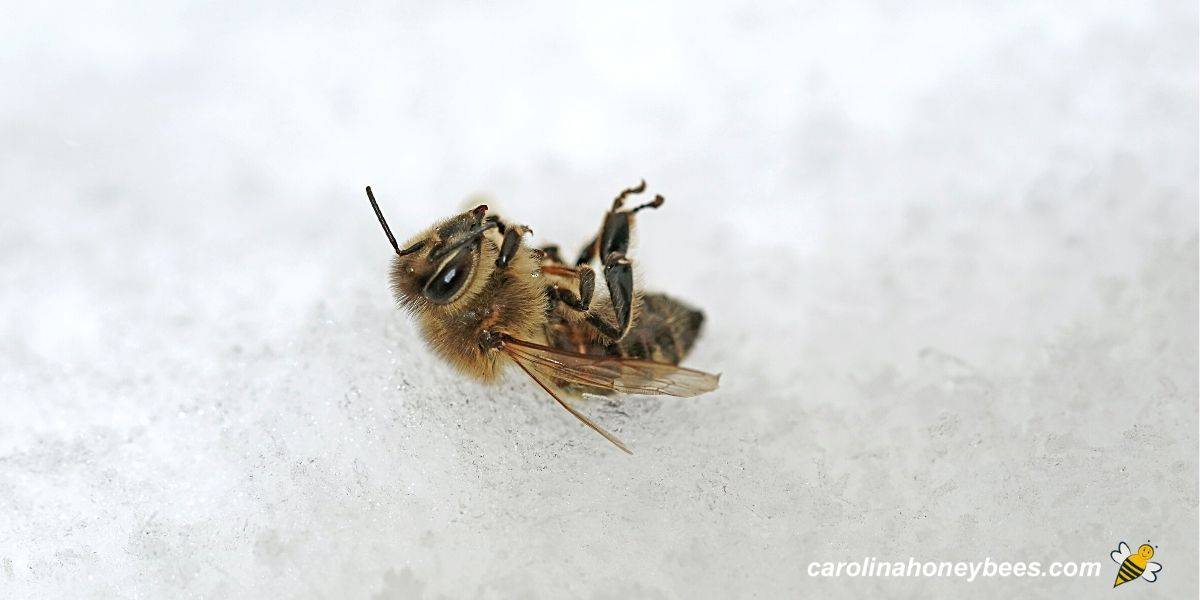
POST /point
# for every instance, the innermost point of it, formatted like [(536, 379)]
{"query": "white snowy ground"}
[(948, 255)]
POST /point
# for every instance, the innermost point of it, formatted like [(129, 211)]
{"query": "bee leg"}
[(655, 203), (496, 218), (512, 241), (614, 233), (587, 285), (619, 201), (587, 253), (551, 252), (490, 340), (618, 274)]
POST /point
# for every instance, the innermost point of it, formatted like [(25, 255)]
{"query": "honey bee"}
[(1135, 564), (483, 299)]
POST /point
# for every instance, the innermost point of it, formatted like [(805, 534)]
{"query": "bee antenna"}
[(472, 236), (382, 221)]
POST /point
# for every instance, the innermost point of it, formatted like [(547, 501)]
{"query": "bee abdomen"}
[(1128, 572), (665, 330)]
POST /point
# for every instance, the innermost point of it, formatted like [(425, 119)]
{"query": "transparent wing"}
[(625, 375), (539, 375), (1151, 572), (1120, 553)]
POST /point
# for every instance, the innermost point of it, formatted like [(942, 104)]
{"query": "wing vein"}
[(631, 376), (578, 415)]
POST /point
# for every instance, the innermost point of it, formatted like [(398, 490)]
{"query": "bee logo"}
[(1135, 564)]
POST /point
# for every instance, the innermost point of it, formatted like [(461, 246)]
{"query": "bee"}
[(1135, 564), (484, 300)]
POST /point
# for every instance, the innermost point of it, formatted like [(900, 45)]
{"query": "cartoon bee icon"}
[(1135, 563)]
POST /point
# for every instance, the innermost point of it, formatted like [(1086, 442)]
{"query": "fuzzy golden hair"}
[(510, 300), (478, 294)]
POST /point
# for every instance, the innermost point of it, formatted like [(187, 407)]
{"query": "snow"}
[(948, 254)]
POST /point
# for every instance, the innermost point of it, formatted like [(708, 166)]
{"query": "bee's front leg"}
[(551, 253), (511, 243), (490, 340)]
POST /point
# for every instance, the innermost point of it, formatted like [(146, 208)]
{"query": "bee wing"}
[(1120, 553), (612, 373), (538, 374), (1151, 572)]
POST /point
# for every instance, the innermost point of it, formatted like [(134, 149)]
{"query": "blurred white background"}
[(948, 254)]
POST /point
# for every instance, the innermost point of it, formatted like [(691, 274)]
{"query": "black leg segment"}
[(587, 285), (511, 243), (551, 252), (616, 229), (618, 274), (587, 253), (611, 245)]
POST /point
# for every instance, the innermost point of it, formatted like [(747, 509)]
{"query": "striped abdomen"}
[(1129, 571), (664, 331)]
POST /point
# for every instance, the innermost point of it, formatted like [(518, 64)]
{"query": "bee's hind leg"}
[(612, 244), (618, 223), (618, 274), (587, 285)]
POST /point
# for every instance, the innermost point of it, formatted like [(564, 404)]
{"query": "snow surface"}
[(948, 253)]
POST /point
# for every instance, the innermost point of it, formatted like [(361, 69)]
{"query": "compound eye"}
[(451, 278)]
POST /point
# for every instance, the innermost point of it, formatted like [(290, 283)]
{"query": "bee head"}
[(1146, 551), (438, 266)]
